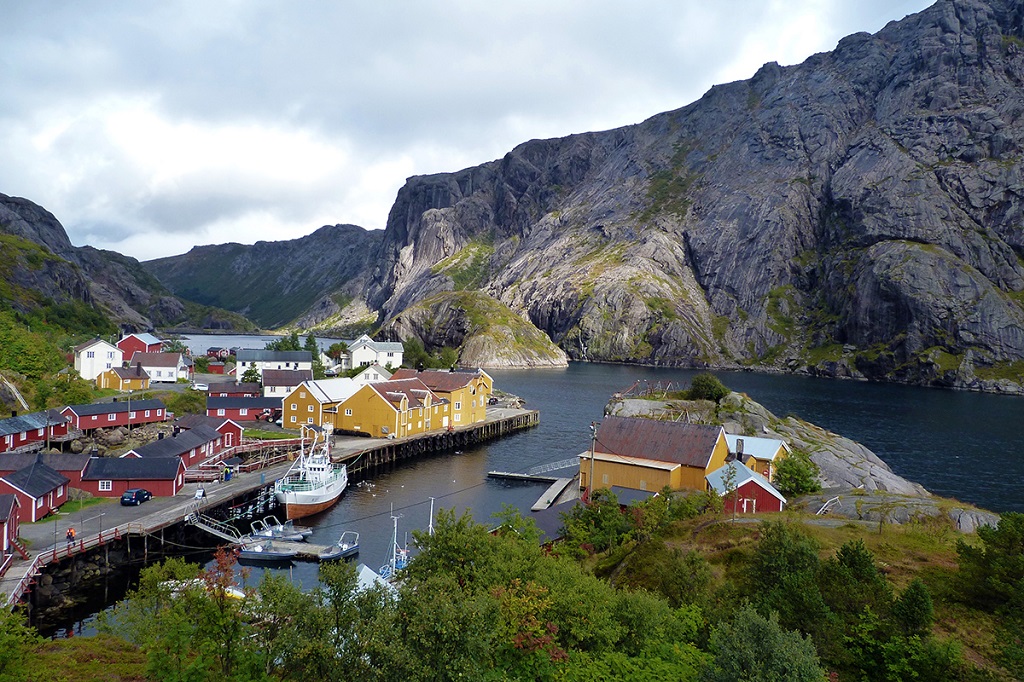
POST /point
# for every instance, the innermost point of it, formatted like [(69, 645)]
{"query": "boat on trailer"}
[(313, 483)]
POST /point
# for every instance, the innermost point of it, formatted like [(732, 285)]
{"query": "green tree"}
[(992, 574), (753, 648), (336, 351), (796, 475), (290, 342), (913, 611), (16, 642), (251, 375), (706, 386)]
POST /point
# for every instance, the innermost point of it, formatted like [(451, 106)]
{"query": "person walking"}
[(71, 536)]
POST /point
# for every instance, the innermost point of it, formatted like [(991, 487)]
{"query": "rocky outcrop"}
[(855, 215)]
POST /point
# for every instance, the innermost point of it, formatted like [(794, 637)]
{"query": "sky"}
[(150, 127)]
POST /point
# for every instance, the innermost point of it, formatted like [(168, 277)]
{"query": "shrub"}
[(706, 386)]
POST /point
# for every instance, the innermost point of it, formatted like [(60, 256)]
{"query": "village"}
[(633, 457)]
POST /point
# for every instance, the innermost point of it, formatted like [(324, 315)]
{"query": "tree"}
[(252, 375), (757, 649), (16, 640), (706, 386), (336, 351), (796, 475), (290, 342), (913, 610), (993, 574)]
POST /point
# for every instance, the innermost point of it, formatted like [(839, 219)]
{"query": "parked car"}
[(493, 400), (200, 387), (135, 496)]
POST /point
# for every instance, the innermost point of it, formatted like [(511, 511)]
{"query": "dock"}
[(551, 494)]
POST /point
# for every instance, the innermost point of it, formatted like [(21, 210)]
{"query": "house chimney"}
[(177, 430), (160, 436), (739, 448), (138, 369)]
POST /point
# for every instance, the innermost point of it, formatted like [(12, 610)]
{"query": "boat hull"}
[(301, 503), (298, 510)]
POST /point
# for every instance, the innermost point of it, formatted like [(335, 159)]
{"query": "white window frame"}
[(348, 411), (242, 412), (111, 417), (220, 412), (106, 486)]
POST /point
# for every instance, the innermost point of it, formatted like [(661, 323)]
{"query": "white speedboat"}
[(313, 483), (347, 545)]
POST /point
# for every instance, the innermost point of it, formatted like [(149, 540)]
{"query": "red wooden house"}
[(118, 413), (111, 476), (241, 409), (230, 429), (744, 491), (18, 432), (39, 489), (235, 389), (192, 446), (140, 343), (68, 465), (9, 507), (215, 367)]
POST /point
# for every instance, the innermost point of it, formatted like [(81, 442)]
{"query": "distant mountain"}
[(39, 266), (273, 283)]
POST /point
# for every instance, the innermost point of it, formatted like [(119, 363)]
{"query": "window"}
[(95, 417), (604, 479), (39, 432), (294, 406), (309, 408), (111, 417), (458, 405), (90, 354), (243, 411), (220, 412), (160, 412), (60, 490), (106, 486), (309, 420), (348, 412), (146, 413), (643, 484), (293, 419), (39, 503), (23, 435), (110, 354), (302, 394), (131, 415), (458, 417)]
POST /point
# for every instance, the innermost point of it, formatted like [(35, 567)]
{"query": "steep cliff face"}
[(50, 268), (859, 214), (274, 282)]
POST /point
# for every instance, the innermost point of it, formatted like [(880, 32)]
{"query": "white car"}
[(200, 387)]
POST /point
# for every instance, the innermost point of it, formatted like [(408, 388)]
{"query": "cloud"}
[(151, 127)]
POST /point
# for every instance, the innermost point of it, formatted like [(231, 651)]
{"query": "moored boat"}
[(347, 545), (270, 527), (313, 483), (265, 552)]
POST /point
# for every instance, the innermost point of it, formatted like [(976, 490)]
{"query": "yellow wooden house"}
[(316, 402), (467, 390), (393, 409), (646, 454), (758, 454), (124, 378)]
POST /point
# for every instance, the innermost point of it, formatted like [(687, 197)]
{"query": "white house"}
[(263, 359), (372, 374), (92, 358), (366, 351), (163, 367)]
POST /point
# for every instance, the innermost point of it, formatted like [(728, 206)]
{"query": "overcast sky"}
[(151, 127)]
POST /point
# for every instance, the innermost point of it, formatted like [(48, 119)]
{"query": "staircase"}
[(224, 531), (22, 550)]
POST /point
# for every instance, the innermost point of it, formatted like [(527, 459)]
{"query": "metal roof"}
[(36, 479), (627, 496), (393, 390), (759, 448), (286, 377), (190, 421), (145, 337), (32, 421), (716, 479), (136, 468), (88, 344), (378, 346), (687, 444), (235, 387), (7, 502), (15, 461), (332, 390), (175, 446), (116, 407), (439, 380), (238, 403)]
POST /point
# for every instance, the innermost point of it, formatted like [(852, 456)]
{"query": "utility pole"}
[(593, 449), (129, 412)]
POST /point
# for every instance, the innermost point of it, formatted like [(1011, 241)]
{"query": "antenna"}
[(430, 525)]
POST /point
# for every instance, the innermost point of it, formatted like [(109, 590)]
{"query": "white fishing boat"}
[(265, 552), (270, 527), (313, 483), (398, 560)]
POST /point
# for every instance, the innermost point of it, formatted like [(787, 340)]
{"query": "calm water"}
[(962, 445)]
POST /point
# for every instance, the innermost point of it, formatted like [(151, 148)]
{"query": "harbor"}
[(112, 535)]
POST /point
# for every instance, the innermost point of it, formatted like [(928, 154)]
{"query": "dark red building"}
[(21, 432), (192, 446), (111, 476), (118, 413), (140, 343), (39, 490), (241, 409)]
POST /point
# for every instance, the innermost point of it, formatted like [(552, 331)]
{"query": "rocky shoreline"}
[(867, 488)]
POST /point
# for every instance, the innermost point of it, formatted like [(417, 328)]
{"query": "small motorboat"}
[(347, 545), (273, 529), (265, 552)]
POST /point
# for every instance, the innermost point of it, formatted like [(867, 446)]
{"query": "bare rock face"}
[(855, 215)]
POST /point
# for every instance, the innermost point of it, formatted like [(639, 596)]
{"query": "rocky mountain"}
[(859, 214), (41, 265), (274, 282)]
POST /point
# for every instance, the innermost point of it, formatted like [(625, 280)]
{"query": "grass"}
[(85, 659), (468, 268), (268, 435)]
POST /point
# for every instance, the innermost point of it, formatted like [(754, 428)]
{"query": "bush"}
[(796, 475), (706, 386)]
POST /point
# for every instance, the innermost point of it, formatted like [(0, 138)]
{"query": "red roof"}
[(438, 380), (688, 444), (413, 389)]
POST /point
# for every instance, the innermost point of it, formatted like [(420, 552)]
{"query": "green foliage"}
[(596, 526), (290, 342), (757, 649), (251, 375), (186, 402), (467, 268), (414, 355), (706, 386), (796, 475), (913, 611), (16, 640), (337, 350), (201, 363), (992, 575), (28, 352)]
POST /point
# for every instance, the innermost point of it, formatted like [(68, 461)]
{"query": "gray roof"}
[(15, 461), (120, 406), (549, 521), (627, 496), (7, 502), (175, 446), (687, 444), (191, 421), (263, 355), (132, 468), (716, 479), (32, 421), (235, 387), (229, 403), (145, 337), (286, 377), (36, 479), (379, 346)]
